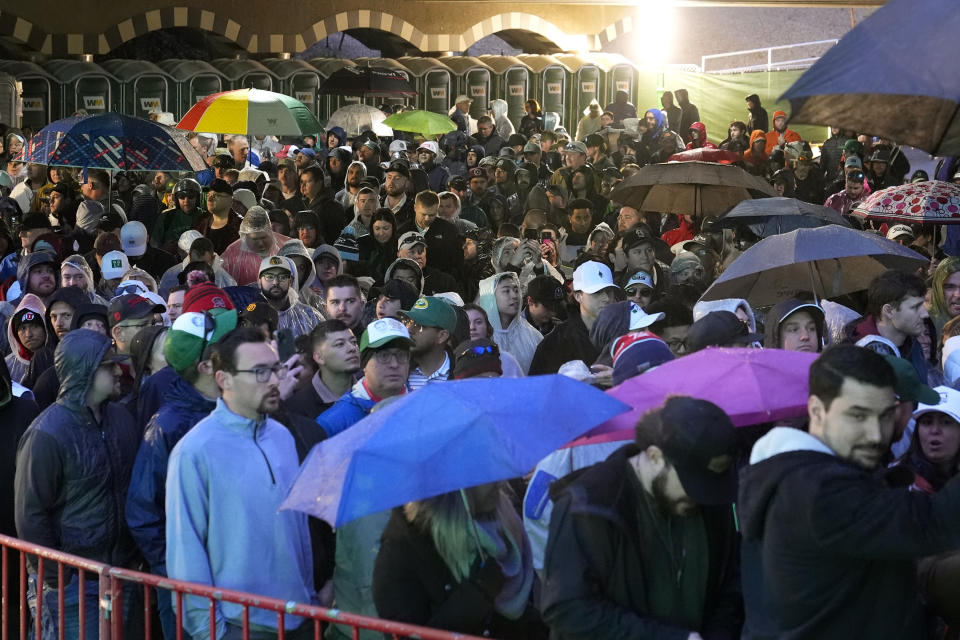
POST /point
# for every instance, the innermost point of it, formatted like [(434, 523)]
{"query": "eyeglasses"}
[(640, 292), (139, 325), (281, 277), (478, 351), (384, 357), (263, 374)]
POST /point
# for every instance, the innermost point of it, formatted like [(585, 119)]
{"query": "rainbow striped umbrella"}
[(251, 112)]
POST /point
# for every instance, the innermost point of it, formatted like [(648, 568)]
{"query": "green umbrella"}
[(426, 123)]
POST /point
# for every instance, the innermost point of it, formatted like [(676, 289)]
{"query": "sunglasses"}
[(478, 350)]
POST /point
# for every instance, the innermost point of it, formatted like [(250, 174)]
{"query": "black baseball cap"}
[(549, 292), (110, 220), (35, 220), (223, 161), (719, 329), (131, 307), (398, 166), (695, 432), (220, 186)]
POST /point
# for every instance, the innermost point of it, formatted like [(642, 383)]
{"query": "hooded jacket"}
[(773, 136), (20, 359), (72, 471), (16, 414), (169, 279), (77, 261), (26, 263), (727, 304), (815, 567), (779, 312), (505, 128), (910, 350), (225, 529), (520, 339), (758, 121), (242, 264), (595, 582), (43, 359), (702, 142), (298, 317), (306, 294), (756, 160)]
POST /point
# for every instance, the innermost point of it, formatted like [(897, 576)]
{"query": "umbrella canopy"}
[(697, 188), (357, 118), (830, 261), (113, 141), (870, 82), (770, 216), (929, 201), (366, 82), (751, 385), (721, 156), (444, 437), (426, 123), (251, 112)]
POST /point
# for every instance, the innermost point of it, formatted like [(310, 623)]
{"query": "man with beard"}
[(365, 205), (395, 192), (431, 321), (222, 224), (203, 483), (73, 467), (356, 172), (36, 274), (276, 286), (780, 135), (813, 566), (184, 214), (437, 175), (656, 512)]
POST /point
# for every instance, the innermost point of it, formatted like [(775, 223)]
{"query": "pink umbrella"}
[(751, 385), (721, 156), (929, 201)]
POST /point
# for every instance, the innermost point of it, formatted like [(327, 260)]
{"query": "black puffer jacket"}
[(73, 472)]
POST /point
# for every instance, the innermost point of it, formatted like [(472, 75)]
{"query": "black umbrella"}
[(367, 82), (770, 216)]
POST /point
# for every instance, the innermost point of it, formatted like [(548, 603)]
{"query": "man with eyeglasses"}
[(275, 280), (225, 481), (128, 314), (431, 322)]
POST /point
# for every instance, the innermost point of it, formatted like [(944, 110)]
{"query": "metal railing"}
[(110, 598), (770, 64)]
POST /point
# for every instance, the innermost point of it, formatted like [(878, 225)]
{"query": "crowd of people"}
[(176, 344)]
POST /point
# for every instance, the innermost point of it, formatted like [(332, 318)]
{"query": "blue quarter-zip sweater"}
[(226, 480)]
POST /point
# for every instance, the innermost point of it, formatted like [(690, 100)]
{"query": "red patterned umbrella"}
[(707, 155), (929, 201)]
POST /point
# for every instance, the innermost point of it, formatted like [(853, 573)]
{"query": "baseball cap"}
[(577, 147), (27, 316), (717, 329), (640, 279), (204, 297), (548, 291), (593, 140), (430, 146), (114, 264), (133, 237), (948, 402), (398, 167), (110, 220), (909, 387), (260, 312), (531, 147), (636, 352), (853, 162), (192, 332), (477, 172), (307, 151), (694, 432), (401, 290), (919, 176), (487, 161), (131, 307), (286, 163), (898, 230), (640, 319), (397, 145), (381, 332), (35, 220), (474, 357), (592, 276), (220, 186), (410, 239), (431, 311), (274, 262), (636, 236), (462, 98)]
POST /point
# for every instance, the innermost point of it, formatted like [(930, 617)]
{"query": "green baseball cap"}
[(192, 332), (909, 387), (432, 311), (380, 332)]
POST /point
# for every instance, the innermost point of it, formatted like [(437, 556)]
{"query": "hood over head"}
[(31, 260), (704, 307), (340, 133), (701, 129), (661, 122), (755, 135), (780, 311), (499, 108), (487, 299), (408, 263), (70, 295), (76, 360), (295, 247), (77, 261), (33, 303)]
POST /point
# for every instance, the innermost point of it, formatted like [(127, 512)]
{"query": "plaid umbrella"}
[(112, 141)]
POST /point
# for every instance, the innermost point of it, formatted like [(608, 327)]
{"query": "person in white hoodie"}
[(498, 111), (500, 298)]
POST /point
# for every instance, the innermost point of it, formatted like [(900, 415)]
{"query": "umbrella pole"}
[(473, 527), (813, 283)]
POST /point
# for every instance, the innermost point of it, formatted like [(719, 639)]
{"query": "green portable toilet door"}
[(150, 94), (303, 87), (256, 81), (517, 88), (200, 86), (93, 94), (477, 82), (622, 78), (554, 81), (35, 102), (587, 89), (436, 91)]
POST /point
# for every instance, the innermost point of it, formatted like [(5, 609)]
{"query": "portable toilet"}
[(83, 85), (587, 78), (9, 97), (511, 82), (433, 81), (195, 80), (142, 87), (326, 67), (298, 79), (245, 74), (550, 75), (473, 79), (622, 75), (36, 92)]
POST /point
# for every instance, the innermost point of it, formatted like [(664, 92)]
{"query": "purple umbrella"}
[(751, 385)]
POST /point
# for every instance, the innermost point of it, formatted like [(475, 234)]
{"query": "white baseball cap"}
[(949, 404), (430, 146), (898, 230), (640, 319), (133, 238), (640, 277), (114, 264), (592, 276)]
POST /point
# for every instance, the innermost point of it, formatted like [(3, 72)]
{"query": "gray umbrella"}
[(829, 261), (770, 216)]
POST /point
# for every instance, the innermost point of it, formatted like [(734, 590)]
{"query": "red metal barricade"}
[(13, 552)]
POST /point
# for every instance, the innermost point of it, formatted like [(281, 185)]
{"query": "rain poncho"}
[(729, 304), (499, 108), (306, 295), (169, 278), (520, 339), (298, 317), (79, 263), (242, 263)]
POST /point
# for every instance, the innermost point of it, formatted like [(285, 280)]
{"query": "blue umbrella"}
[(894, 75), (113, 141), (769, 216), (444, 437)]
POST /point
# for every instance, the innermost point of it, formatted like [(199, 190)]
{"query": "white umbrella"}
[(357, 118)]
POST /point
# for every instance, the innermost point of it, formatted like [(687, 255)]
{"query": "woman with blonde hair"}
[(945, 292)]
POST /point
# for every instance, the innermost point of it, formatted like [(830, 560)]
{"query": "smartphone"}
[(286, 344), (531, 234), (547, 235)]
